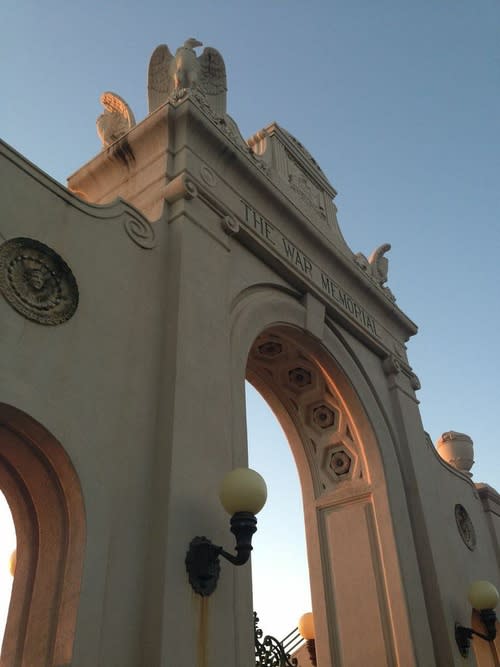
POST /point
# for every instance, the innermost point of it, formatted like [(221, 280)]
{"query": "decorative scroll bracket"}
[(181, 187)]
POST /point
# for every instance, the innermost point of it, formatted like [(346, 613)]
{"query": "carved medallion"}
[(208, 176), (465, 527), (230, 225), (37, 282)]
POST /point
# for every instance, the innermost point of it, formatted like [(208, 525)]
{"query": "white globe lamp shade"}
[(482, 595), (243, 490), (306, 626)]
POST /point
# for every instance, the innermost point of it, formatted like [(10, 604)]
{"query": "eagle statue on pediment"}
[(117, 119), (172, 77)]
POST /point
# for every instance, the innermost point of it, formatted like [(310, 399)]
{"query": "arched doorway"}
[(349, 529), (352, 487), (280, 586), (7, 566), (45, 498)]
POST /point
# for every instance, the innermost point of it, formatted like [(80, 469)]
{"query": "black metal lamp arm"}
[(202, 559), (463, 635), (243, 526)]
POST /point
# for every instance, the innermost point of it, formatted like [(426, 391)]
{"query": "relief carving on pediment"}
[(303, 186)]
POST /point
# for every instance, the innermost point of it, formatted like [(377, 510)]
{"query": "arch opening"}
[(44, 495), (352, 553), (7, 566), (280, 574)]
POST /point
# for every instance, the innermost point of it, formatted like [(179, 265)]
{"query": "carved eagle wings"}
[(160, 80), (380, 264), (206, 72), (117, 119)]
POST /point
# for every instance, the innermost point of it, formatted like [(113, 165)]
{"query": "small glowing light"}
[(7, 566), (13, 562), (306, 626)]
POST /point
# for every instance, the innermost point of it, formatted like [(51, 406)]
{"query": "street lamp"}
[(308, 632), (243, 494), (483, 596)]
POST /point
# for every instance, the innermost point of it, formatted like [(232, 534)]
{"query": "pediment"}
[(298, 174)]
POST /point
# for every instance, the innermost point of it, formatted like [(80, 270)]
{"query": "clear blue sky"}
[(398, 101)]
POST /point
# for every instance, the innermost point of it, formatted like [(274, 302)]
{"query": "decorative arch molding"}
[(45, 498), (358, 562)]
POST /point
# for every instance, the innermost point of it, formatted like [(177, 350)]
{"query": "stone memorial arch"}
[(181, 261)]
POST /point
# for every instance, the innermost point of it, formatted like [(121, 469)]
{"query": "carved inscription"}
[(301, 262), (336, 292), (296, 257)]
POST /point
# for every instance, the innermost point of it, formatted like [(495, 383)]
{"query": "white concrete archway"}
[(335, 429)]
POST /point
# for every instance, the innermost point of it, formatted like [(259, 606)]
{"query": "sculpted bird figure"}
[(377, 266), (186, 68), (172, 77), (380, 264), (116, 120)]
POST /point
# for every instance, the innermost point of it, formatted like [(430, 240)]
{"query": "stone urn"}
[(457, 449)]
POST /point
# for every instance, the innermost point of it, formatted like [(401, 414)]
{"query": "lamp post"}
[(483, 596), (308, 632), (243, 494)]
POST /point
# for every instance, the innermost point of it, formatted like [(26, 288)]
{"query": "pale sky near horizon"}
[(399, 102)]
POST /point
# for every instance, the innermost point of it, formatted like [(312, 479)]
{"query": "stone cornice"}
[(114, 209), (136, 226), (489, 497)]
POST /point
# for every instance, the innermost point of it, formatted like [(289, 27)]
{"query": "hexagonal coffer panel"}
[(339, 462), (299, 377), (323, 416), (270, 349)]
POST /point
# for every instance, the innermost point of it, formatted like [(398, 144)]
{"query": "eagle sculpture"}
[(377, 266), (172, 77), (116, 120), (380, 264)]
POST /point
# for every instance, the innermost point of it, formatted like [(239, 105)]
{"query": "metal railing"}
[(293, 641), (269, 652)]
